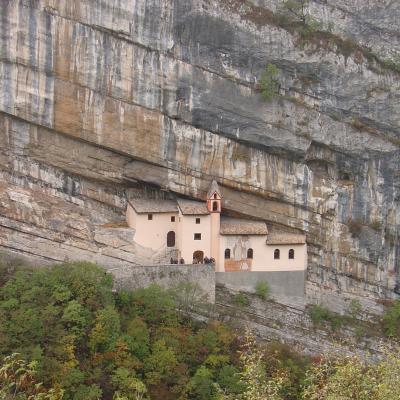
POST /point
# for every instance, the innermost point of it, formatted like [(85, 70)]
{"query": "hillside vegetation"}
[(65, 328)]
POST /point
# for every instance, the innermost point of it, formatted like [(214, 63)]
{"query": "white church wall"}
[(284, 263), (131, 216), (188, 245), (263, 255), (153, 233)]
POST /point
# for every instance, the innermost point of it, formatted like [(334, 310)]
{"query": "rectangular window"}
[(197, 236), (197, 220), (149, 217), (172, 219)]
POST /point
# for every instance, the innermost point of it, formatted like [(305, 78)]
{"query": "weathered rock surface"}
[(100, 97), (271, 320)]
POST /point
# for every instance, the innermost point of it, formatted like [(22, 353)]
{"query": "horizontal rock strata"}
[(97, 98)]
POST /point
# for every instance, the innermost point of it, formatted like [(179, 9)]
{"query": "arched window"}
[(250, 253), (215, 206), (291, 254), (171, 239), (215, 195), (227, 254), (277, 254)]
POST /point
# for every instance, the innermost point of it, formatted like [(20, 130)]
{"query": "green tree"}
[(18, 381), (188, 297), (128, 386), (353, 379), (258, 385), (228, 379), (160, 365), (105, 331), (138, 338), (202, 385)]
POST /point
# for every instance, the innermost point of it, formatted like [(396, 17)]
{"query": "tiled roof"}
[(190, 207), (238, 226), (214, 188), (286, 238), (142, 206)]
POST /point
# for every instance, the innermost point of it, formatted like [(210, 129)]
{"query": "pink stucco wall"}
[(153, 234), (263, 254)]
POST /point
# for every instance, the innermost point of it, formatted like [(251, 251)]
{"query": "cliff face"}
[(97, 97)]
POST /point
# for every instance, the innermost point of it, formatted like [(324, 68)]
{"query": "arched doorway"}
[(198, 257), (171, 239)]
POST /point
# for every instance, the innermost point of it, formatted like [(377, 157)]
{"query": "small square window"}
[(197, 220), (197, 236), (149, 217), (172, 219)]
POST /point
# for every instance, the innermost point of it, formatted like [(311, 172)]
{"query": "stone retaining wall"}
[(286, 287), (132, 277)]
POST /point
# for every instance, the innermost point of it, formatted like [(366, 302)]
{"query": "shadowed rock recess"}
[(160, 96)]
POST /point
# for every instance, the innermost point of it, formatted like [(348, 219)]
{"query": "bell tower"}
[(214, 198), (214, 206)]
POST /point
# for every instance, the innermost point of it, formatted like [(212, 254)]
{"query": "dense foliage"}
[(64, 334), (93, 343)]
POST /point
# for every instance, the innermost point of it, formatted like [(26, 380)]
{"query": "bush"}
[(391, 320), (18, 381), (355, 227), (320, 314), (354, 309), (241, 300), (353, 378), (263, 290), (269, 84), (376, 225)]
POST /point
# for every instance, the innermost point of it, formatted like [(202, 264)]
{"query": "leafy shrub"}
[(280, 356), (355, 227), (263, 290), (354, 309), (353, 378), (376, 225), (241, 300), (18, 381), (269, 83), (392, 64), (320, 314), (391, 320)]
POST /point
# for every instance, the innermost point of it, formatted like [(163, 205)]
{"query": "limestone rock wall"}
[(97, 97)]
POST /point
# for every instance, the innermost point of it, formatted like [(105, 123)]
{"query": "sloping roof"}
[(238, 226), (142, 206), (191, 207), (214, 188), (286, 238)]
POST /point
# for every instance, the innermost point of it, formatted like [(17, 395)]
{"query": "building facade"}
[(191, 231)]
